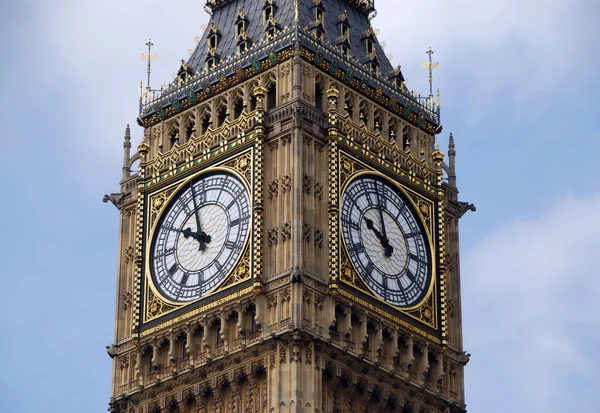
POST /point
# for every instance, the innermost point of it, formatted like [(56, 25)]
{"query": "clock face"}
[(200, 236), (385, 241)]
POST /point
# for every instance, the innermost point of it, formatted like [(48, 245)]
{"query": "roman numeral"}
[(184, 279), (233, 245), (410, 275), (173, 269), (417, 258), (166, 252), (234, 222), (358, 248), (232, 203), (369, 268)]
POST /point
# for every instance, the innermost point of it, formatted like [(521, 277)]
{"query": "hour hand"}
[(372, 228), (385, 243), (199, 236)]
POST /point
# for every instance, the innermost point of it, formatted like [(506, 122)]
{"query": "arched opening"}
[(271, 96), (238, 108), (221, 115), (252, 103), (206, 123), (318, 96), (190, 130)]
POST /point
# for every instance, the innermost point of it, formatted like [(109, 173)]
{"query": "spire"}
[(451, 166), (126, 152)]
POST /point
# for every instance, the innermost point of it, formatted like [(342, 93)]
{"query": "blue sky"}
[(519, 91)]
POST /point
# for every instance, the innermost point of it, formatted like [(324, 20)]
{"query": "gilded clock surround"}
[(156, 305)]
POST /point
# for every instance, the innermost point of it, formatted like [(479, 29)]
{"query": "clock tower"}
[(288, 230)]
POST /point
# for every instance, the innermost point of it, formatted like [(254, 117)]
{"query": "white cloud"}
[(531, 309), (527, 48)]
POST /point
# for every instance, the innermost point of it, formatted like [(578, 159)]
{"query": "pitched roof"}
[(354, 13)]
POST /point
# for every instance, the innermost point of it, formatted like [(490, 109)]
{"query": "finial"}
[(150, 58), (438, 156), (127, 138), (143, 148), (430, 65), (451, 143), (296, 13)]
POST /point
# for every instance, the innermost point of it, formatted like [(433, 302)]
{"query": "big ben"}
[(289, 238)]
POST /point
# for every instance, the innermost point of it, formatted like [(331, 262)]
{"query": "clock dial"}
[(385, 241), (200, 236)]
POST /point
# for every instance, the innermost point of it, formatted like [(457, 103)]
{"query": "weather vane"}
[(430, 65), (150, 58)]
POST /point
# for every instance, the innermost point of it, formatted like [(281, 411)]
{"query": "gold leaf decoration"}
[(241, 271), (243, 165), (157, 203), (348, 167), (156, 306)]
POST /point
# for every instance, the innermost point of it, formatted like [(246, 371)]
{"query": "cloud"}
[(531, 307), (526, 49)]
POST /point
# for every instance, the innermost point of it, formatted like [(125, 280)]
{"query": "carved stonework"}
[(158, 203), (319, 191), (129, 254), (156, 306), (272, 237), (306, 231), (286, 231), (307, 184), (273, 189), (286, 183), (241, 271), (127, 300), (318, 238), (243, 165)]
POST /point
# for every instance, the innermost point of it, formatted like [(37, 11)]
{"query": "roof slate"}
[(223, 17)]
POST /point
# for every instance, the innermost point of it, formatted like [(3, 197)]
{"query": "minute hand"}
[(202, 245), (385, 243)]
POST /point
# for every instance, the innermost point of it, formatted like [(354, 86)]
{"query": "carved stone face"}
[(385, 241), (200, 237)]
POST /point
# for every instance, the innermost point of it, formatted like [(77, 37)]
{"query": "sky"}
[(519, 91)]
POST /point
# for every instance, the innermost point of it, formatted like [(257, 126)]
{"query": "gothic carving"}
[(307, 183), (318, 237), (273, 189), (126, 299), (272, 237), (319, 191), (158, 202), (156, 306), (129, 254), (286, 183), (286, 231), (243, 165), (242, 270), (306, 232)]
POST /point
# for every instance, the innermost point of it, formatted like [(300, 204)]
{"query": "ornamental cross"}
[(150, 58), (430, 65)]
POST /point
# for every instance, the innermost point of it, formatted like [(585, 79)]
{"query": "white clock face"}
[(385, 241), (200, 236)]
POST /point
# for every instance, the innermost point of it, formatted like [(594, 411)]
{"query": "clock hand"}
[(385, 243), (201, 240), (199, 236), (380, 208)]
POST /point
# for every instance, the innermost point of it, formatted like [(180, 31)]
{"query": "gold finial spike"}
[(430, 65), (150, 58), (296, 13)]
